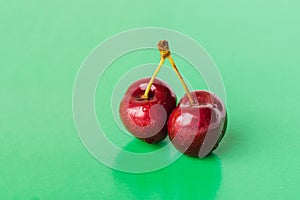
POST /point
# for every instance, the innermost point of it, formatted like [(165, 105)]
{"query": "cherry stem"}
[(188, 93), (164, 50), (163, 54), (161, 62), (163, 47)]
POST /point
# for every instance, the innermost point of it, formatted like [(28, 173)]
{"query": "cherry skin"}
[(146, 118), (197, 129)]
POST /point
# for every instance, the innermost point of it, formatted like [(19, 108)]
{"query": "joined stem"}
[(164, 50)]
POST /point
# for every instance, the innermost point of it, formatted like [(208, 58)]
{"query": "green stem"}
[(161, 62)]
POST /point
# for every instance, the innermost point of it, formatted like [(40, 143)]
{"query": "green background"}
[(255, 45)]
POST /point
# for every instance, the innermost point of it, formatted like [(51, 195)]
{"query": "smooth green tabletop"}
[(255, 45)]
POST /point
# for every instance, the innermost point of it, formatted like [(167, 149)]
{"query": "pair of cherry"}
[(195, 126)]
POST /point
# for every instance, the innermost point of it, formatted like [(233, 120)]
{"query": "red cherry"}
[(146, 118), (196, 129)]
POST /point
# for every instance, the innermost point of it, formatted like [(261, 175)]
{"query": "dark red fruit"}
[(146, 119), (197, 129)]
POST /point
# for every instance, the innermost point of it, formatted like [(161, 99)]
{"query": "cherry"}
[(198, 123), (196, 126), (145, 107), (197, 129)]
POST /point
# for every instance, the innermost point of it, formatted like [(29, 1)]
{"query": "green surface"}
[(255, 45)]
